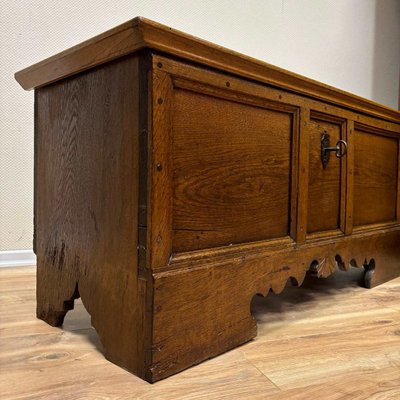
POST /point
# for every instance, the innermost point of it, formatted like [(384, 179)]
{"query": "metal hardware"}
[(340, 149)]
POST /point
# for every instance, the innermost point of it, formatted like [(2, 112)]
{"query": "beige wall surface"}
[(350, 44)]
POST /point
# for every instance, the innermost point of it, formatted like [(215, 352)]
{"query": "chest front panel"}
[(376, 176), (236, 163), (231, 171), (325, 186)]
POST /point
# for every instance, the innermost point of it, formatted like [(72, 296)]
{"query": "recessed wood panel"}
[(231, 172), (375, 178), (324, 183)]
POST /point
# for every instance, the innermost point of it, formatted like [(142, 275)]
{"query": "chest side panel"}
[(86, 205)]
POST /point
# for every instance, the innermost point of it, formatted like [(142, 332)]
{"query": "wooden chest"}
[(175, 180)]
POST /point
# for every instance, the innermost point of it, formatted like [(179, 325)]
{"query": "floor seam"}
[(261, 372)]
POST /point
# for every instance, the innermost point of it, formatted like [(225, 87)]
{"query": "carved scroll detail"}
[(320, 268), (324, 267)]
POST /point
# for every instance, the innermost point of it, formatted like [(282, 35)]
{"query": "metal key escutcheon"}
[(340, 149)]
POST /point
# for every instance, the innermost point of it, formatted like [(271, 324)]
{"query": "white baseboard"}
[(16, 258)]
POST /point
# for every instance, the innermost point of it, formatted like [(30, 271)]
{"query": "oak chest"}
[(175, 180)]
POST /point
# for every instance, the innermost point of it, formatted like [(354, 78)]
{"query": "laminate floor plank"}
[(382, 384), (328, 339)]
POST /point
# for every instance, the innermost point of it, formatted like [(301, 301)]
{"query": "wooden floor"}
[(328, 339)]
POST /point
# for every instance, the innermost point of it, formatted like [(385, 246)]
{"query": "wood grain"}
[(168, 194), (160, 172), (197, 73), (140, 33), (231, 172), (375, 177), (324, 184), (87, 206), (312, 342), (225, 286), (303, 175), (349, 184)]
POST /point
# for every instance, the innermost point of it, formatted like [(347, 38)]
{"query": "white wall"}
[(351, 44)]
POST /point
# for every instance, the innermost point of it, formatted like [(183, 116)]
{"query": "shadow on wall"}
[(386, 67)]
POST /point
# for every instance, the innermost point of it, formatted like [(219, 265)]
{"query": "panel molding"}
[(316, 118), (371, 153), (170, 76), (267, 249)]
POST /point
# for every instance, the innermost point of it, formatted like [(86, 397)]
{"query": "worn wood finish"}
[(87, 206), (349, 179), (196, 72), (324, 185), (216, 86), (375, 176), (226, 286), (168, 194), (303, 175), (231, 171)]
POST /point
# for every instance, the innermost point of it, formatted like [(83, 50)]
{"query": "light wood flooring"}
[(328, 339)]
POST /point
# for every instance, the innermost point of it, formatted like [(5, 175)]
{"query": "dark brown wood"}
[(231, 169), (160, 172), (206, 76), (226, 287), (303, 174), (168, 194), (87, 207), (375, 176), (324, 184), (349, 179)]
